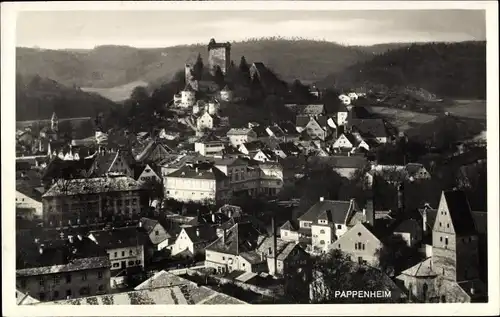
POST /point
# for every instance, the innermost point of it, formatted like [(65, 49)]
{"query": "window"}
[(84, 291), (123, 253), (363, 246), (41, 296), (286, 233), (447, 225), (356, 246), (339, 246), (116, 254), (359, 234), (441, 239), (138, 262), (157, 233), (223, 258), (130, 262), (68, 279), (68, 293), (322, 242), (41, 281), (99, 275), (446, 240), (130, 252), (84, 276), (101, 288), (116, 264), (57, 279), (440, 224), (56, 294), (339, 226), (322, 231)]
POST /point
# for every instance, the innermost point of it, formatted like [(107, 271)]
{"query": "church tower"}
[(454, 239)]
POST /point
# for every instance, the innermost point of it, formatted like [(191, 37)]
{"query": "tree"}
[(244, 68), (300, 93), (333, 273), (219, 77), (139, 95), (396, 256), (198, 68)]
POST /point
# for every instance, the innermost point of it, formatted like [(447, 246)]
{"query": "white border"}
[(8, 19)]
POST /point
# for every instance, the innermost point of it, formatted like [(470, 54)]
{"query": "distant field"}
[(475, 109), (402, 119), (118, 93)]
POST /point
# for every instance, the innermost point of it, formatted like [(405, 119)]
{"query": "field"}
[(118, 93), (474, 109), (402, 119)]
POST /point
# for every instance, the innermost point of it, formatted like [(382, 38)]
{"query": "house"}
[(163, 288), (360, 244), (126, 247), (351, 141), (193, 240), (29, 198), (410, 231), (148, 175), (226, 94), (369, 128), (209, 145), (239, 136), (188, 96), (250, 148), (205, 121), (56, 269), (287, 149), (290, 231), (197, 182), (313, 110), (154, 152), (24, 299), (342, 114), (317, 128), (158, 236), (283, 132), (451, 274), (416, 171), (265, 155), (283, 257), (87, 200), (345, 99), (235, 250)]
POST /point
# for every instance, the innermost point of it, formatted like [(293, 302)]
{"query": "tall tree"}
[(198, 68), (244, 68), (219, 77)]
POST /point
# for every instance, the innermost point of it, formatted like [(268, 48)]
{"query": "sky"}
[(87, 29)]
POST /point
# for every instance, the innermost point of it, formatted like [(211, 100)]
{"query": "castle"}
[(219, 55)]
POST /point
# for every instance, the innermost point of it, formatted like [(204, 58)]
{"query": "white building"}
[(188, 96), (226, 94), (240, 136), (209, 145), (205, 121), (197, 182), (28, 198), (125, 246), (194, 239)]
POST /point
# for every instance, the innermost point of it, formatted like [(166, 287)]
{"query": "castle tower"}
[(454, 239), (188, 73), (54, 123), (219, 54)]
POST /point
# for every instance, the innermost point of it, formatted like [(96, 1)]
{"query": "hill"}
[(37, 98), (110, 66), (453, 70)]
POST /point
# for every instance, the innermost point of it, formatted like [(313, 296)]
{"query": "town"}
[(228, 185)]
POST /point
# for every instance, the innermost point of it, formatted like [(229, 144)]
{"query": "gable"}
[(353, 235), (443, 217), (313, 124)]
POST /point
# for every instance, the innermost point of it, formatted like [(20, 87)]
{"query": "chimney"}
[(40, 249), (37, 240), (196, 169), (197, 232), (213, 217), (321, 198), (140, 223), (70, 238)]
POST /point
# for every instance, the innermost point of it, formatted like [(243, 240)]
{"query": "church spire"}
[(54, 122)]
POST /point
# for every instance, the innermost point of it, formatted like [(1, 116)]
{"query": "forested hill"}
[(37, 98), (454, 70), (110, 66)]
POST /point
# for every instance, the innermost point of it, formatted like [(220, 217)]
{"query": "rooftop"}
[(241, 237), (332, 210), (460, 212), (163, 288), (199, 171), (93, 186), (118, 237)]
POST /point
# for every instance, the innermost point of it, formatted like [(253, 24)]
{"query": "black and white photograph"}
[(201, 153)]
